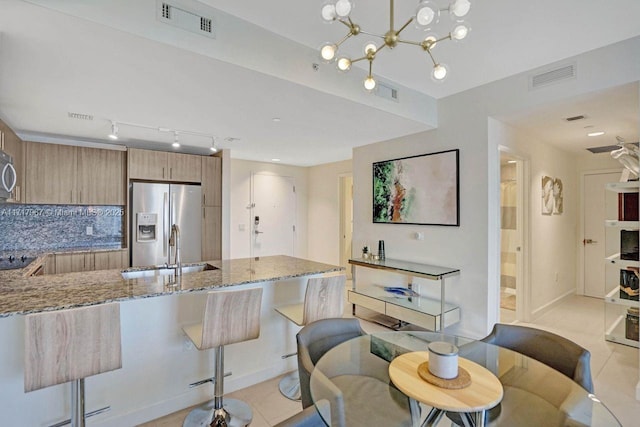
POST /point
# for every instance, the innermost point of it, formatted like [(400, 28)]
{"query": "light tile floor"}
[(614, 367)]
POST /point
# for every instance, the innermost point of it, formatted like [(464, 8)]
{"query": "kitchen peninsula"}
[(158, 360)]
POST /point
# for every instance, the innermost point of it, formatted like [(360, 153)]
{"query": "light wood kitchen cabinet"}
[(69, 263), (211, 232), (164, 166), (63, 174), (111, 260), (185, 167), (12, 145), (101, 176), (148, 164), (50, 173), (211, 181)]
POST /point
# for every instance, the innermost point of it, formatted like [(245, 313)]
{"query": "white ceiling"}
[(96, 58)]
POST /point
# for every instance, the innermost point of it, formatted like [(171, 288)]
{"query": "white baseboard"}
[(551, 304)]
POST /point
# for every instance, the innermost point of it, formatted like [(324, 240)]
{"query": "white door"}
[(599, 241), (273, 215)]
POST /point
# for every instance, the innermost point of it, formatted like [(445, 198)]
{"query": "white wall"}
[(324, 211), (463, 123), (240, 194), (552, 238)]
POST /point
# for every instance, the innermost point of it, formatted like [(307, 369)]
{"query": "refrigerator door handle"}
[(165, 210)]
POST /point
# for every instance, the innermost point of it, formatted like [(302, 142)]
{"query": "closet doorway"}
[(511, 238)]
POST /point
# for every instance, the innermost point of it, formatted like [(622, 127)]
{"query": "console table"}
[(428, 313)]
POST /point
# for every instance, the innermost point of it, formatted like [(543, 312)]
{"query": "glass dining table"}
[(351, 387)]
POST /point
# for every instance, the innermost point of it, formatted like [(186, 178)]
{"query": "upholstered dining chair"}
[(561, 354), (384, 404), (558, 352)]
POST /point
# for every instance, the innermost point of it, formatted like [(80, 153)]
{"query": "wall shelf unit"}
[(429, 313), (618, 310)]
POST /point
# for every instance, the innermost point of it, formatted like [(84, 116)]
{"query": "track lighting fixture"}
[(176, 132), (114, 131)]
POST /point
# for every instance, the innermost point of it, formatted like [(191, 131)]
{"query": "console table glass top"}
[(432, 272)]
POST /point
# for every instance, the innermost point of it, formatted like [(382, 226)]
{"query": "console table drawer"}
[(367, 302), (423, 320)]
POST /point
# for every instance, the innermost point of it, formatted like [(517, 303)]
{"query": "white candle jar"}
[(443, 360)]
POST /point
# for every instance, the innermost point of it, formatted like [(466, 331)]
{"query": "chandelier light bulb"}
[(343, 8), (328, 12), (426, 14), (439, 72), (344, 63), (370, 47), (460, 8), (369, 83), (460, 32), (431, 41), (328, 52)]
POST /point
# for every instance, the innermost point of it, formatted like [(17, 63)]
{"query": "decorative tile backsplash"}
[(48, 227)]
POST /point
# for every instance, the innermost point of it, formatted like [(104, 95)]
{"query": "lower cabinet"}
[(86, 261)]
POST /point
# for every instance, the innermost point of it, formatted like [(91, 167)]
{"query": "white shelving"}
[(616, 308)]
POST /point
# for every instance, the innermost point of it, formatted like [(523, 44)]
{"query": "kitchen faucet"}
[(174, 240)]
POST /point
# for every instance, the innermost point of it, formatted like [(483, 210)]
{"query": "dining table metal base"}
[(472, 419)]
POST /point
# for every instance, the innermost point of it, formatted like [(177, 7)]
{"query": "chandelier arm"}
[(344, 39), (359, 59), (405, 25), (347, 24), (370, 67), (444, 38), (431, 56), (391, 15), (410, 42), (371, 34)]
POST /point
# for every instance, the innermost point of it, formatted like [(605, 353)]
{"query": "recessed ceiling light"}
[(511, 161), (596, 133), (276, 119), (275, 160)]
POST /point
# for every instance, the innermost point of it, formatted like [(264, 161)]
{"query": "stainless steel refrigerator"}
[(155, 207)]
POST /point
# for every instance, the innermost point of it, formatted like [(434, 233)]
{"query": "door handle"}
[(258, 232), (589, 242)]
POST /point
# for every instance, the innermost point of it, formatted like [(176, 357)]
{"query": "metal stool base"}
[(290, 386), (238, 414)]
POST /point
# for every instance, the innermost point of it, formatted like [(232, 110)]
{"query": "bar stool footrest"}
[(87, 415)]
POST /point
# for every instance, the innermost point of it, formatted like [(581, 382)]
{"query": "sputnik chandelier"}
[(427, 15)]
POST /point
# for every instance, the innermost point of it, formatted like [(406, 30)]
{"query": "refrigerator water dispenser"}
[(147, 227)]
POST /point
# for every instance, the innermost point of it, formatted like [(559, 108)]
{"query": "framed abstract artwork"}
[(422, 189)]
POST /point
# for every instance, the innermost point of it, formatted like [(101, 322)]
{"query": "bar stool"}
[(229, 317), (323, 299), (70, 345)]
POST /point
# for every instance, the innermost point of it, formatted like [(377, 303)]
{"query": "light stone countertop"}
[(21, 294)]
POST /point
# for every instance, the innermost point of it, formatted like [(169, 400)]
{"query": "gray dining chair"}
[(555, 351), (354, 398), (561, 354), (308, 417), (314, 340)]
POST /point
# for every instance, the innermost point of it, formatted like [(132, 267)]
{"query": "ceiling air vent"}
[(386, 91), (553, 76), (574, 118), (188, 20), (80, 116)]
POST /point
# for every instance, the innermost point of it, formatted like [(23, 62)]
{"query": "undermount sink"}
[(136, 273)]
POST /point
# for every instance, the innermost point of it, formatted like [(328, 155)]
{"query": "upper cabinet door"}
[(50, 173), (184, 167), (147, 164), (101, 176), (211, 181)]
